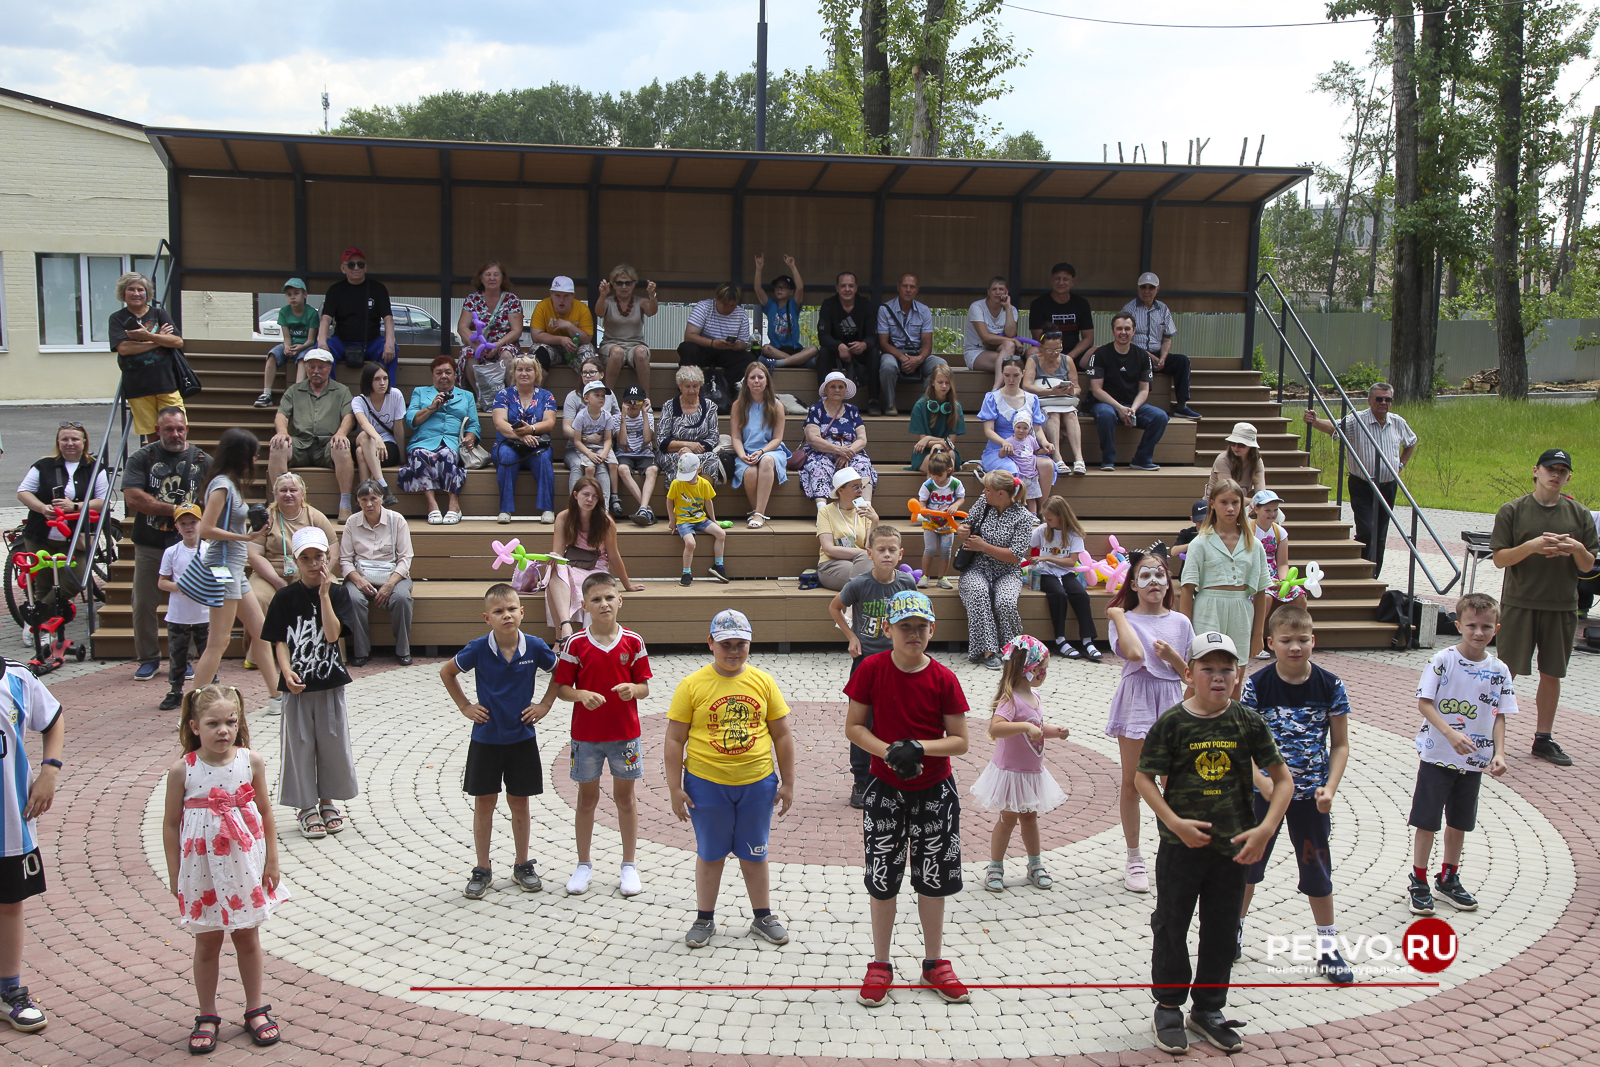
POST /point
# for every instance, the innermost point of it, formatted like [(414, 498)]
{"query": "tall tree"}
[(927, 81), (1507, 239), (875, 86)]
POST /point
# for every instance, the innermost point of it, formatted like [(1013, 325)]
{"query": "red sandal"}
[(208, 1037), (268, 1023)]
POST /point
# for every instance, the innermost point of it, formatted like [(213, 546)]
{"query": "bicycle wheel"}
[(14, 598), (106, 553)]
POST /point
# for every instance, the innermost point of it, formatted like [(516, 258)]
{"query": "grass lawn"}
[(1474, 455)]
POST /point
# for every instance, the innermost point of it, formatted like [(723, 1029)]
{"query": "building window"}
[(78, 294)]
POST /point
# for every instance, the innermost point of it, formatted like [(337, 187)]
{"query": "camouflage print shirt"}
[(1207, 766)]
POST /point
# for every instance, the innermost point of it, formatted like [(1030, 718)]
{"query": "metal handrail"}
[(172, 258), (1286, 349), (113, 472)]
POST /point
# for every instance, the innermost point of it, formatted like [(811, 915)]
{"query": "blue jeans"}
[(374, 355), (506, 465), (1152, 420)]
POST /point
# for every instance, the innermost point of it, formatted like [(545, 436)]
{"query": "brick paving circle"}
[(106, 960), (822, 784)]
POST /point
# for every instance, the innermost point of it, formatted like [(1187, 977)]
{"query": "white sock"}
[(1327, 939), (382, 481), (1135, 854)]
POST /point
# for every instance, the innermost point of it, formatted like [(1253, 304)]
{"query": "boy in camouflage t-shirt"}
[(1209, 837)]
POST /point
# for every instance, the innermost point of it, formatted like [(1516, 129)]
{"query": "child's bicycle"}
[(47, 613)]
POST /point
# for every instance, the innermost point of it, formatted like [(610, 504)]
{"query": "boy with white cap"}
[(304, 623), (589, 448), (1210, 835), (727, 734), (690, 496), (188, 623)]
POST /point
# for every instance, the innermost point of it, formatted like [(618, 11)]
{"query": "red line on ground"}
[(855, 985)]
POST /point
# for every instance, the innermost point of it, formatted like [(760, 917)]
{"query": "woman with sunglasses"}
[(60, 481), (937, 419), (621, 310)]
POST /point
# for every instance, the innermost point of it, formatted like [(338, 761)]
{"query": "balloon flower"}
[(905, 568), (519, 557), (481, 346), (1293, 583)]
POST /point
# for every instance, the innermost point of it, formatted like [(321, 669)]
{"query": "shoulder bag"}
[(473, 457), (187, 380), (964, 557)]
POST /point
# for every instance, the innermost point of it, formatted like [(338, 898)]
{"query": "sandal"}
[(1092, 652), (203, 1041), (268, 1024), (1078, 467), (451, 518), (1039, 876), (311, 824), (332, 821), (994, 879), (436, 518), (757, 520)]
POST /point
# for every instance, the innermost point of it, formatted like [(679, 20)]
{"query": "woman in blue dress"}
[(757, 425), (1000, 410)]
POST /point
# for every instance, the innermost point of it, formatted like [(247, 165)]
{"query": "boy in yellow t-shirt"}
[(690, 496), (727, 726)]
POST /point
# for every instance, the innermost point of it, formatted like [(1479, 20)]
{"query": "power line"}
[(1235, 26)]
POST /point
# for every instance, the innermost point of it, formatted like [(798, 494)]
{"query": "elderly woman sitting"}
[(433, 458), (271, 550), (689, 424), (524, 416), (375, 559), (836, 438), (842, 527), (998, 530)]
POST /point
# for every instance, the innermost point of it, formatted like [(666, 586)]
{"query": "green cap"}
[(297, 283)]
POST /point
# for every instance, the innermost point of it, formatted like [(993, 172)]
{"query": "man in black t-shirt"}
[(847, 334), (1119, 383), (356, 315), (163, 474), (1060, 310)]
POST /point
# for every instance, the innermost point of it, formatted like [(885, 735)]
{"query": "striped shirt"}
[(713, 324), (1391, 438), (26, 705), (1151, 325)]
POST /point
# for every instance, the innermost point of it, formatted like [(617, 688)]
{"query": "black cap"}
[(633, 395), (1556, 457), (1198, 512)]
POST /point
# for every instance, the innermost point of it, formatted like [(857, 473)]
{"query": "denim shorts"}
[(684, 529), (589, 759), (731, 818)]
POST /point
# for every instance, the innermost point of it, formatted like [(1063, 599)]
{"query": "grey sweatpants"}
[(315, 750), (399, 619)]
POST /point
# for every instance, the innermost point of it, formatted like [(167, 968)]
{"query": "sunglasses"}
[(70, 425), (356, 264), (1382, 400), (623, 282)]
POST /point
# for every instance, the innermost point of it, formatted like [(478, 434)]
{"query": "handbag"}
[(187, 380), (473, 457), (965, 556), (580, 557), (717, 391), (797, 458), (200, 583)]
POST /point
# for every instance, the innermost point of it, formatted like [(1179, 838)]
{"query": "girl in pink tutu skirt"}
[(1016, 783), (1147, 633), (222, 854)]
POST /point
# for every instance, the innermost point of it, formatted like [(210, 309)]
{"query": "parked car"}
[(412, 326)]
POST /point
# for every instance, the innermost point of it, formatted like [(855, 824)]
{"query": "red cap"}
[(352, 253)]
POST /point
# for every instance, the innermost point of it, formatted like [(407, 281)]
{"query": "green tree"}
[(555, 114)]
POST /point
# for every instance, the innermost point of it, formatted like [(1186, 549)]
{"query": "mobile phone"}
[(732, 339)]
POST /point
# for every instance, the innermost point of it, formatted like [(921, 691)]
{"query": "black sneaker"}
[(1217, 1029), (525, 876), (1333, 966), (478, 883), (616, 508), (170, 702), (1421, 901), (1144, 465), (686, 580), (1545, 748), (858, 796), (719, 571), (264, 400), (1449, 886), (1168, 1028)]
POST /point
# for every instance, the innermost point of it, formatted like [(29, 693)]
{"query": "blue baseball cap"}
[(731, 625), (910, 605)]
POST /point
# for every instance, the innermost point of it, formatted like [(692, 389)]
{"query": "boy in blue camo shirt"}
[(1308, 712)]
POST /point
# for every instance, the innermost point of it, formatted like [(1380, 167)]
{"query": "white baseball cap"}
[(843, 477), (731, 625), (562, 284), (310, 537), (1148, 278), (688, 467), (595, 386), (1211, 641), (317, 353)]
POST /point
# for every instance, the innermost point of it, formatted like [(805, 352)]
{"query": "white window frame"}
[(85, 323)]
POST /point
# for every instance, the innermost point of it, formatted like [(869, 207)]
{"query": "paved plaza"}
[(378, 909)]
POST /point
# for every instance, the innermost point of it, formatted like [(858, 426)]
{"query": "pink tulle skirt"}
[(1021, 791)]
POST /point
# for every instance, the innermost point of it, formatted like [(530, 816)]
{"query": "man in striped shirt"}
[(1396, 442), (1153, 331)]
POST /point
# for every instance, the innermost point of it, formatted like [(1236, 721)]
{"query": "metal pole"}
[(761, 80), (1408, 635)]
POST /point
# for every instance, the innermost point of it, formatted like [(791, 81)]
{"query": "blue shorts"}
[(278, 355), (589, 759), (684, 529), (731, 818), (1308, 833)]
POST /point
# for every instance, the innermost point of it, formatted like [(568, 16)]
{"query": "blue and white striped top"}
[(26, 705)]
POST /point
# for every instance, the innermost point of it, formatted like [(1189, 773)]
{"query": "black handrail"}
[(1286, 348)]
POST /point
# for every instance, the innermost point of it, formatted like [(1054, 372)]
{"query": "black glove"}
[(905, 758), (256, 516)]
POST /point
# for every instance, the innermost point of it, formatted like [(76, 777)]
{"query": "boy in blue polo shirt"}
[(504, 748)]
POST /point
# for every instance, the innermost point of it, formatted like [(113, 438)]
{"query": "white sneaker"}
[(273, 706), (580, 879), (547, 517), (630, 880)]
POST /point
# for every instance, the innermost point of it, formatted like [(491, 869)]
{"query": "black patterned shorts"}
[(924, 823)]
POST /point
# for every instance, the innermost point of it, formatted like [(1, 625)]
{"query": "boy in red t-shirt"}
[(919, 720), (605, 672)]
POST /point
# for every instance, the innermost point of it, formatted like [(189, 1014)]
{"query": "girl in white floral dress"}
[(222, 854)]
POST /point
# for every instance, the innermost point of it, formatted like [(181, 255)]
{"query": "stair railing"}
[(1286, 350)]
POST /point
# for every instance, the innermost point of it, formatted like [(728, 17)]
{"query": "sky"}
[(245, 65)]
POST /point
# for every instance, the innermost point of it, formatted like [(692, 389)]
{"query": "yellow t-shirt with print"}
[(688, 500), (728, 739), (545, 310)]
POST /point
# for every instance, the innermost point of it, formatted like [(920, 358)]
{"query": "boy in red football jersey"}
[(605, 672)]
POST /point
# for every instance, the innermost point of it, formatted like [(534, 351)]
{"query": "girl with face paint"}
[(1148, 634), (1016, 781)]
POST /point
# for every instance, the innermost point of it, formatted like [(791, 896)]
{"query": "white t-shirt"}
[(1048, 542), (180, 609), (391, 410), (25, 704), (1468, 696), (30, 484), (979, 312)]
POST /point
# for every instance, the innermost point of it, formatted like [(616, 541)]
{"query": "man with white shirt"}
[(1153, 331), (1395, 442)]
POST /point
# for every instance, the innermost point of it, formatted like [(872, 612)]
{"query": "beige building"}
[(83, 198)]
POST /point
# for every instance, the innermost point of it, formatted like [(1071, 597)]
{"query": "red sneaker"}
[(943, 981), (875, 987)]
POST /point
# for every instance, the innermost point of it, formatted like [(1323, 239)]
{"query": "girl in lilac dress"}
[(1147, 632)]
